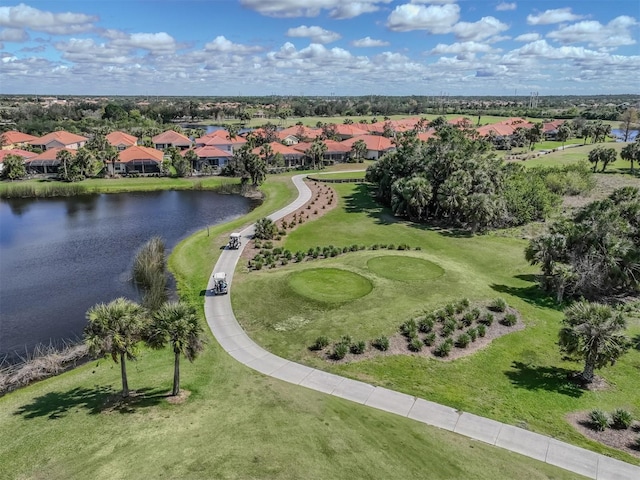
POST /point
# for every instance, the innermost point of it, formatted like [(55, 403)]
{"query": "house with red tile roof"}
[(336, 152), (345, 131), (121, 140), (291, 156), (550, 129), (138, 159), (15, 151), (221, 140), (377, 145), (46, 162), (59, 139), (209, 156), (301, 132), (171, 138), (13, 139)]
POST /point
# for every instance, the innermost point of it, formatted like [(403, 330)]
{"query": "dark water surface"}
[(58, 257)]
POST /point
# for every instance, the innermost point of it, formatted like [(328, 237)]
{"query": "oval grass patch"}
[(329, 285), (404, 269)]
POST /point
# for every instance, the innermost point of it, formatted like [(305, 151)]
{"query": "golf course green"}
[(329, 285), (404, 268)]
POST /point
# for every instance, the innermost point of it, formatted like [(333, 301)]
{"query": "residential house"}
[(210, 156), (14, 140), (300, 132), (171, 138), (550, 129), (344, 131), (16, 151), (291, 156), (59, 139), (377, 145), (46, 162), (221, 140), (121, 140), (138, 159), (336, 152)]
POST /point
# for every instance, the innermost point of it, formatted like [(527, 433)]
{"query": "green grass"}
[(520, 379), (236, 424), (577, 154), (404, 268), (343, 175), (329, 285)]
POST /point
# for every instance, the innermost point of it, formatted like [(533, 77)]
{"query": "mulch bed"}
[(619, 439)]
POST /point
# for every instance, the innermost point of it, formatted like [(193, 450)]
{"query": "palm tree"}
[(114, 329), (112, 155), (65, 158), (564, 132), (631, 153), (176, 323), (316, 152), (358, 150), (593, 332)]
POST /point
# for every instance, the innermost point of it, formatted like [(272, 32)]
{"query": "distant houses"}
[(59, 139)]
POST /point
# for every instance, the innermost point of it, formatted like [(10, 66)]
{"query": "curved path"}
[(237, 343)]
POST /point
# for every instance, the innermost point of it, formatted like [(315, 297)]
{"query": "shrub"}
[(381, 343), (310, 251), (299, 256), (258, 265), (498, 305), (462, 305), (473, 334), (509, 320), (637, 443), (450, 309), (268, 245), (346, 339), (621, 419), (440, 315), (444, 349), (482, 330), (425, 325), (339, 351), (599, 420), (449, 327), (257, 244), (320, 343), (467, 319), (354, 247), (415, 345), (430, 339), (265, 229), (374, 246), (418, 248), (391, 246), (409, 328), (345, 249), (476, 313), (277, 250), (463, 340), (487, 319), (358, 348), (383, 246)]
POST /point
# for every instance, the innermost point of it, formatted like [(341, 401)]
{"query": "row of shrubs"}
[(347, 345), (619, 419), (272, 257)]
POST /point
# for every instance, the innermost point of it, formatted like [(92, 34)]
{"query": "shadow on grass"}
[(56, 405), (552, 379), (362, 200), (532, 294), (635, 342)]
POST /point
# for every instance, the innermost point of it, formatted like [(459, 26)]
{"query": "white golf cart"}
[(234, 240), (220, 285)]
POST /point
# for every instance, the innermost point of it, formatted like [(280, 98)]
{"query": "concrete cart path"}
[(237, 343)]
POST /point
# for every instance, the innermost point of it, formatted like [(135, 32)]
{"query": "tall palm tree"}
[(66, 159), (316, 152), (358, 149), (593, 332), (176, 323), (631, 153), (115, 329)]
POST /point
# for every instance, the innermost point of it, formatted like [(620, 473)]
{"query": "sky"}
[(320, 47)]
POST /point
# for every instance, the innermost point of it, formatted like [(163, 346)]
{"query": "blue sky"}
[(320, 47)]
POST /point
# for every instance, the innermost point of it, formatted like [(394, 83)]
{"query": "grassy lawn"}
[(236, 424), (576, 154), (341, 175), (520, 379)]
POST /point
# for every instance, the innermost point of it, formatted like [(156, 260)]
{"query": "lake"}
[(59, 257)]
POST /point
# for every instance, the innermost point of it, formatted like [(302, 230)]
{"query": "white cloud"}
[(87, 51), (460, 48), (557, 15), (315, 33), (369, 42), (156, 43), (434, 18), (527, 37), (221, 44), (339, 9), (13, 35), (613, 34), (482, 29), (504, 6), (24, 16)]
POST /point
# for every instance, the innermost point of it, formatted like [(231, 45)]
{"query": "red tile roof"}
[(377, 127), (376, 143), (220, 140), (16, 151), (424, 136), (13, 136), (121, 138), (49, 155), (498, 129), (65, 138), (332, 146), (209, 151), (279, 148), (141, 153), (300, 131), (349, 130), (171, 137)]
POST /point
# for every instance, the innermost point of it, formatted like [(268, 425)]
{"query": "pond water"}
[(619, 134), (58, 257)]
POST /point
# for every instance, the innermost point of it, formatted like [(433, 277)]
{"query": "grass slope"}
[(237, 424), (520, 379)]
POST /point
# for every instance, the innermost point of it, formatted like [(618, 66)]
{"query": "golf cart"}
[(220, 285), (234, 241)]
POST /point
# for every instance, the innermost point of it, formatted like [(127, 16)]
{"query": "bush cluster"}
[(620, 419)]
